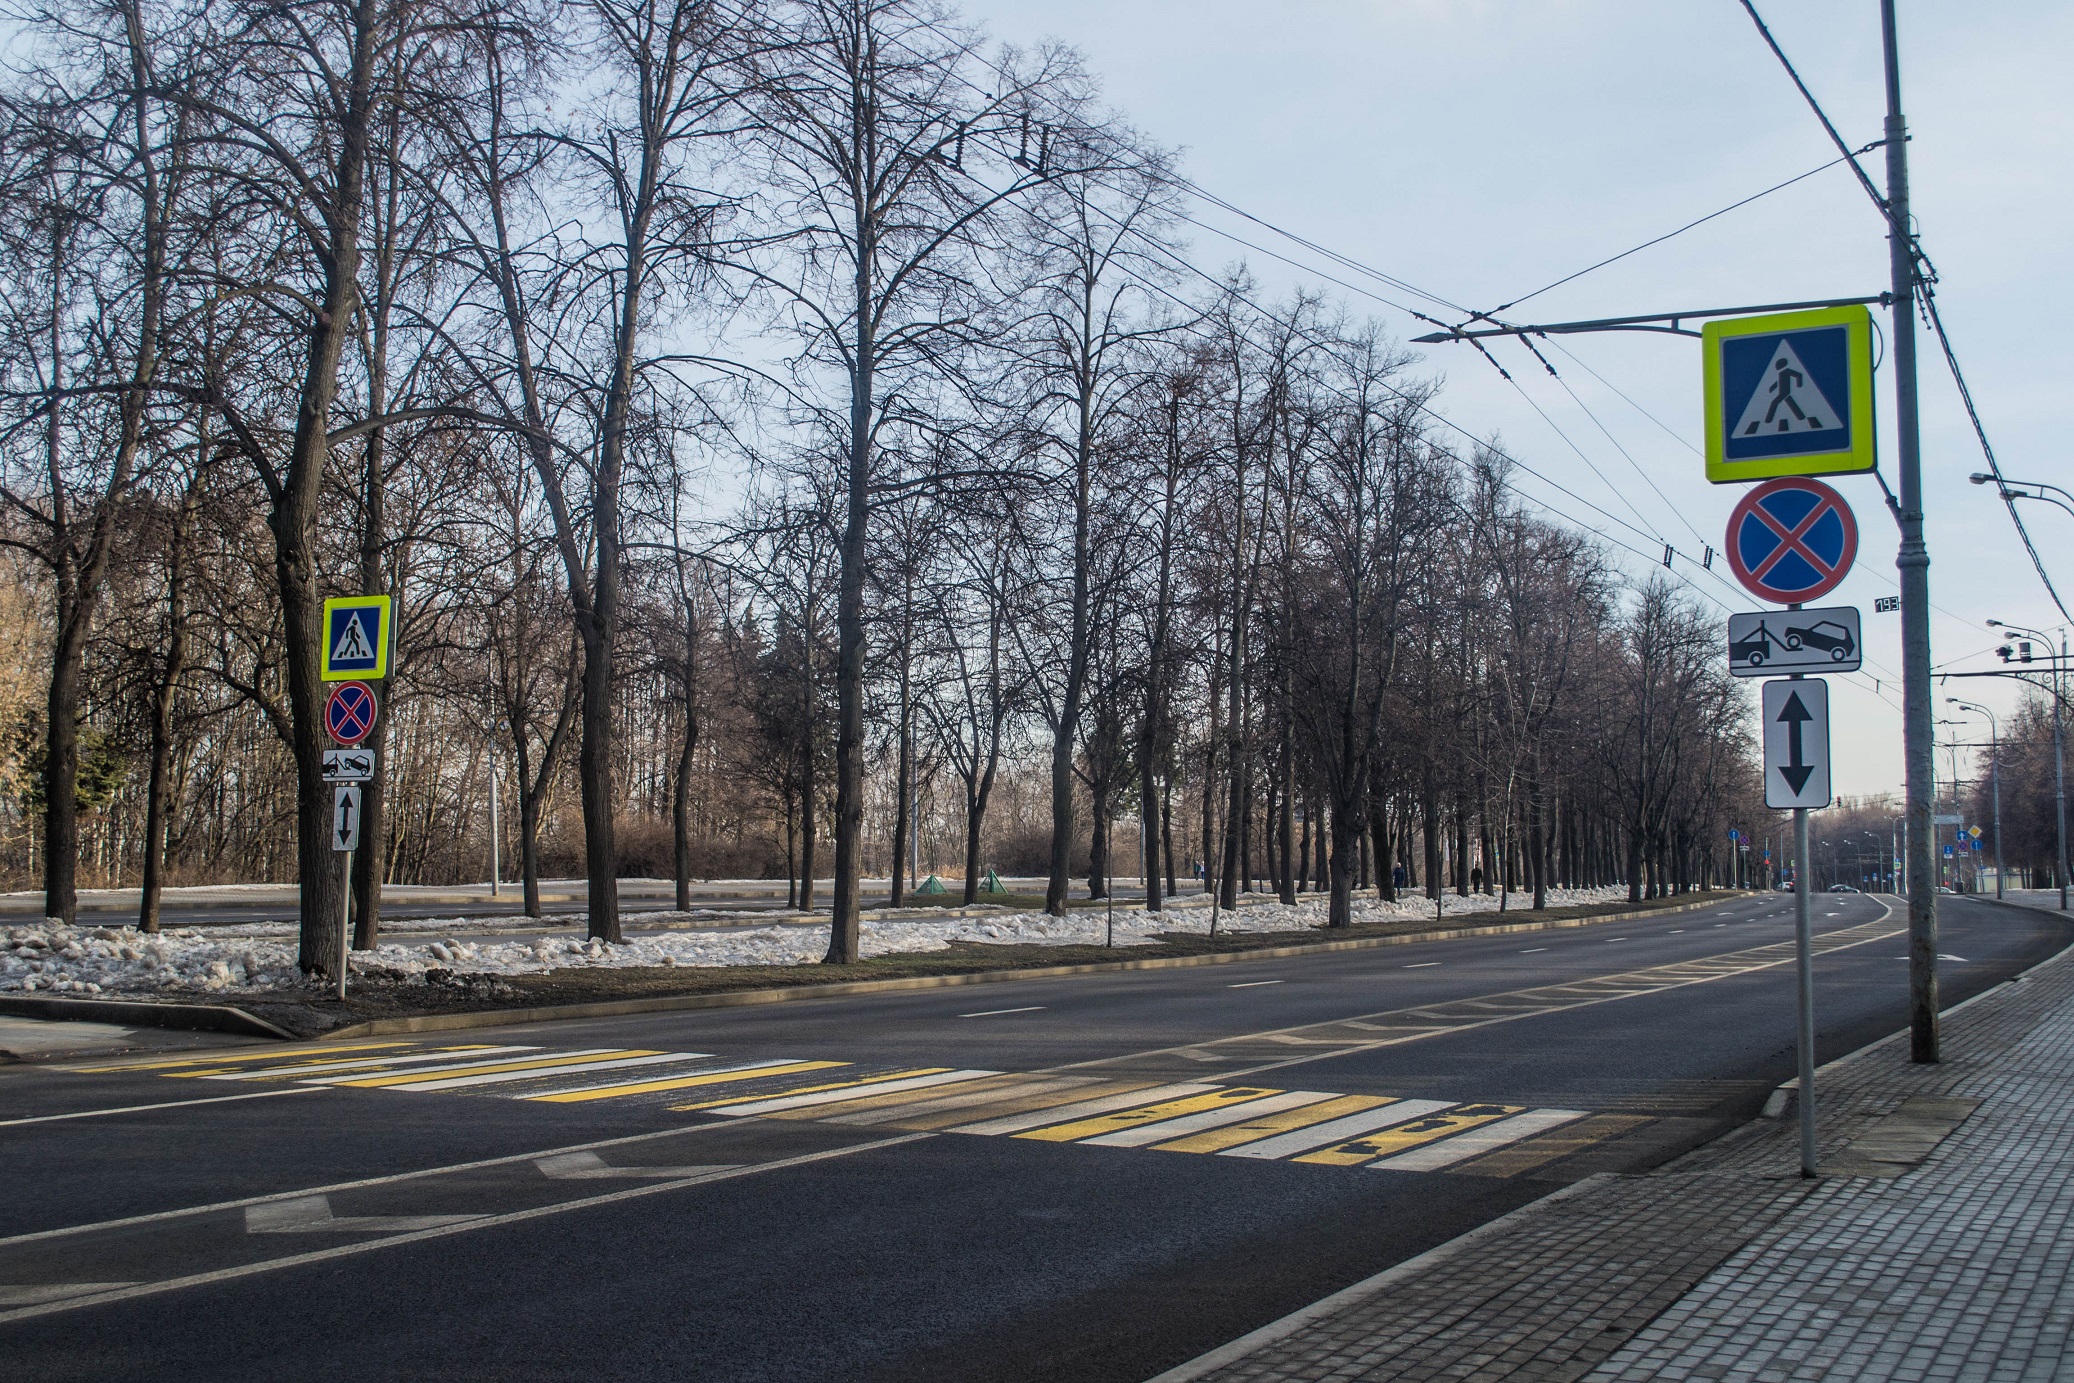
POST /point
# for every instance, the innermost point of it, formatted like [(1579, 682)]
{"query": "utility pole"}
[(2059, 770), (1913, 564)]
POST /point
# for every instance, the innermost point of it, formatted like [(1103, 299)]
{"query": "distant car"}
[(1829, 636), (1842, 888)]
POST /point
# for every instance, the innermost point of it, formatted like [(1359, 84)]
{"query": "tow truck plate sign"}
[(1772, 643)]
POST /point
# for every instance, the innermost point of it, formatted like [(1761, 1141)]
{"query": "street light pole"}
[(1994, 776), (1913, 564), (2059, 758)]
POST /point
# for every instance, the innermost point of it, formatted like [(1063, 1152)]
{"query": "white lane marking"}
[(54, 1291), (1616, 938), (1086, 1109), (1961, 959), (850, 1092), (588, 1166), (1422, 965), (473, 1063), (362, 1063), (1338, 1130), (312, 1215), (1252, 984), (997, 1012), (1464, 1146), (582, 1068), (1206, 1119), (141, 1108), (1678, 932), (442, 1231), (759, 1064), (1721, 924), (1531, 950), (160, 1215)]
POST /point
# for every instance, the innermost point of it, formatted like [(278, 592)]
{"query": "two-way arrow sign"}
[(1796, 743), (345, 817)]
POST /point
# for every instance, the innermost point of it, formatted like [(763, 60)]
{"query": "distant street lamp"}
[(2059, 769), (1994, 774), (2026, 489)]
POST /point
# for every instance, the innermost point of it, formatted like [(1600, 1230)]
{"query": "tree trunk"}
[(158, 788)]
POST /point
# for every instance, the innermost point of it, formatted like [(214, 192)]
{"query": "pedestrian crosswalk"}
[(1258, 1122)]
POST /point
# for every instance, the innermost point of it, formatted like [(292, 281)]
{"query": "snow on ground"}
[(255, 958)]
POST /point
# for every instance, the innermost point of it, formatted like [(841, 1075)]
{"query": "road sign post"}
[(1804, 953), (1788, 393), (356, 638), (348, 765), (345, 838), (1791, 540), (1769, 643), (1796, 743), (1796, 775), (349, 712)]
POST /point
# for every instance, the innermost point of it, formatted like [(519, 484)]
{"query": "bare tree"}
[(888, 157)]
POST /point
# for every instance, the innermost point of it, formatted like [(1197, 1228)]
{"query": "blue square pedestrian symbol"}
[(1796, 394), (1789, 394), (356, 638)]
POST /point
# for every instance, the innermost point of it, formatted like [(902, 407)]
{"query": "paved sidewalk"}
[(1938, 1244)]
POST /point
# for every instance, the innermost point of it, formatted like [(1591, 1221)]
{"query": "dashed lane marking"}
[(147, 1108), (997, 1012), (1253, 984)]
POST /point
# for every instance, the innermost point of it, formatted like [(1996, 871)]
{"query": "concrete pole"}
[(1803, 943), (2059, 772), (1913, 564)]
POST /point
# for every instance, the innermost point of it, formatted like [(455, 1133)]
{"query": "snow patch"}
[(257, 958)]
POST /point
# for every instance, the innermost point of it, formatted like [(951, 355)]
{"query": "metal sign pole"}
[(345, 923), (1804, 948)]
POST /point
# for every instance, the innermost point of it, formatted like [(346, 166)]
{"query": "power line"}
[(1689, 225), (1926, 276)]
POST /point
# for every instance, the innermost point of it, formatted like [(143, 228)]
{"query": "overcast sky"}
[(1479, 149)]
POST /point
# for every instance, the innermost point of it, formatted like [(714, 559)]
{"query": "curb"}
[(1325, 1306), (1780, 1101), (618, 1008), (137, 1014)]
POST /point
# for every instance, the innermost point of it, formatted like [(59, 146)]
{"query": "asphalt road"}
[(625, 1236)]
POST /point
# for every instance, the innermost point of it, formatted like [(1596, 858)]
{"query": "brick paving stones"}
[(1725, 1265)]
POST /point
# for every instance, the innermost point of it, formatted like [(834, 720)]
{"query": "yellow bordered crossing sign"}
[(356, 638), (1789, 393)]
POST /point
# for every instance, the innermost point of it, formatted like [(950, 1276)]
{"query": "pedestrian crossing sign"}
[(356, 638), (1789, 393)]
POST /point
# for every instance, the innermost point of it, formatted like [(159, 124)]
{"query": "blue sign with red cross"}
[(349, 714), (1792, 540)]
